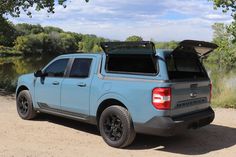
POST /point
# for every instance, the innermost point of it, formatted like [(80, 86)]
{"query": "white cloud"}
[(157, 19), (217, 17)]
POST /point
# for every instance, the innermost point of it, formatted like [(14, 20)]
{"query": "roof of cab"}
[(74, 55)]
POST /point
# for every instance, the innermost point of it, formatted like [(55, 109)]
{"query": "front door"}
[(75, 89), (47, 88)]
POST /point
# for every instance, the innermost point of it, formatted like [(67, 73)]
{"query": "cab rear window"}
[(131, 64)]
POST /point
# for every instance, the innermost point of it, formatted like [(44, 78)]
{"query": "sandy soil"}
[(54, 136)]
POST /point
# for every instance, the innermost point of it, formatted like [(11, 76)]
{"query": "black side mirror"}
[(38, 73)]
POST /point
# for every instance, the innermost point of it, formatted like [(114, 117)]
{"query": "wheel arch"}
[(106, 103), (21, 88)]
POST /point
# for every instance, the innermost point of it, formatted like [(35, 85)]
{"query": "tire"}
[(24, 105), (116, 127)]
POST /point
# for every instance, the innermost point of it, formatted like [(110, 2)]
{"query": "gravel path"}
[(59, 137)]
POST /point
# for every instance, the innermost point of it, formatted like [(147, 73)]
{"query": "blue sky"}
[(161, 20)]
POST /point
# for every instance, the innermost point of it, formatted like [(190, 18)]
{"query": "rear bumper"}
[(169, 126)]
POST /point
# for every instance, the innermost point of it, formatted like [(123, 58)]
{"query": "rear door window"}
[(81, 68)]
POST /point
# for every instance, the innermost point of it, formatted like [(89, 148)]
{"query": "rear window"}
[(131, 64), (184, 65)]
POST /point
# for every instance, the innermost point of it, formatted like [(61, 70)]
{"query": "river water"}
[(12, 67)]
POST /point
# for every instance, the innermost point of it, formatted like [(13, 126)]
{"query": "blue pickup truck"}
[(130, 88)]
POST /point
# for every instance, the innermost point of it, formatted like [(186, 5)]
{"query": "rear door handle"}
[(81, 84), (55, 83)]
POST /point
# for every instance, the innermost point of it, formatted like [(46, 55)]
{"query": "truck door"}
[(75, 89)]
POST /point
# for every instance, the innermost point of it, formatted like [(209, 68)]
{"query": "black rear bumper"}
[(169, 126)]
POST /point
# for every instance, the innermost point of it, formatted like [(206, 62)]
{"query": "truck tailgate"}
[(189, 97)]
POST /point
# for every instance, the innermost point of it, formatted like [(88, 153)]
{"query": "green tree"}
[(8, 33), (96, 48), (35, 39), (134, 38), (14, 7), (166, 45), (91, 43), (225, 56), (226, 5), (68, 43), (49, 29), (42, 43)]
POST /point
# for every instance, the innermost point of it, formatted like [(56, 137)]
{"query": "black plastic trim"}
[(169, 126), (72, 115)]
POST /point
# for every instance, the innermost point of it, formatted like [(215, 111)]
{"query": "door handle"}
[(81, 84), (55, 83)]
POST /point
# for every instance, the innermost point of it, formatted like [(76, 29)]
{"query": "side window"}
[(57, 68), (81, 68)]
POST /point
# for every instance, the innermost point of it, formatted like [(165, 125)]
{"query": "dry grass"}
[(225, 96)]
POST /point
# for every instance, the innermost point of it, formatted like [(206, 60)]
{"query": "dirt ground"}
[(54, 136)]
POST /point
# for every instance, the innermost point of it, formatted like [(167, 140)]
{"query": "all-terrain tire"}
[(120, 132), (24, 105)]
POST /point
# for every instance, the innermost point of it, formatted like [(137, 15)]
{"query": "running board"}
[(44, 108)]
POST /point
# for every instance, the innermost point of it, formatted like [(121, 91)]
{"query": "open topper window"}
[(130, 57), (202, 48)]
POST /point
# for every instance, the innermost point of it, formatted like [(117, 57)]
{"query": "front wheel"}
[(24, 105), (116, 127)]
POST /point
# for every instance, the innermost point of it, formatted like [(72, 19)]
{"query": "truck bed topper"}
[(143, 47), (202, 48)]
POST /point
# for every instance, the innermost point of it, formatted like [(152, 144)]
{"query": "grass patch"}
[(224, 95), (225, 101)]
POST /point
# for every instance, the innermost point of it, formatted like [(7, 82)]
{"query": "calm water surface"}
[(12, 67)]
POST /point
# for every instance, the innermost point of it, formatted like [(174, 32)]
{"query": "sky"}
[(159, 20)]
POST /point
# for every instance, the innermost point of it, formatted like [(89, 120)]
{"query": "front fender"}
[(27, 81)]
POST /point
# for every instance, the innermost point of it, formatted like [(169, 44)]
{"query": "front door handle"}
[(82, 84), (55, 83)]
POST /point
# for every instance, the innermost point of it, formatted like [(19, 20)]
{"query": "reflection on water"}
[(12, 67)]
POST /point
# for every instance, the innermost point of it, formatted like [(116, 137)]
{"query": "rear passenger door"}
[(75, 89)]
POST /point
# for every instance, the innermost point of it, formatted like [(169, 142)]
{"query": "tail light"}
[(161, 98), (210, 92)]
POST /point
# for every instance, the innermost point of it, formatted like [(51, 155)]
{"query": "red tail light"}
[(210, 92), (161, 98)]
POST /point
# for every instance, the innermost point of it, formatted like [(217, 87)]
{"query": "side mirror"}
[(38, 73)]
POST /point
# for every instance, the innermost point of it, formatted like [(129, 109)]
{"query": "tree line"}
[(30, 39), (35, 39)]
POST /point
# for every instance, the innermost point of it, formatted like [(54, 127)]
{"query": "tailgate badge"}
[(193, 94)]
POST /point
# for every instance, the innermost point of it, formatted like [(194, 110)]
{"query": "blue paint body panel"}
[(134, 91)]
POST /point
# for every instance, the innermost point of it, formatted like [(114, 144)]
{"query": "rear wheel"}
[(24, 105), (116, 127)]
